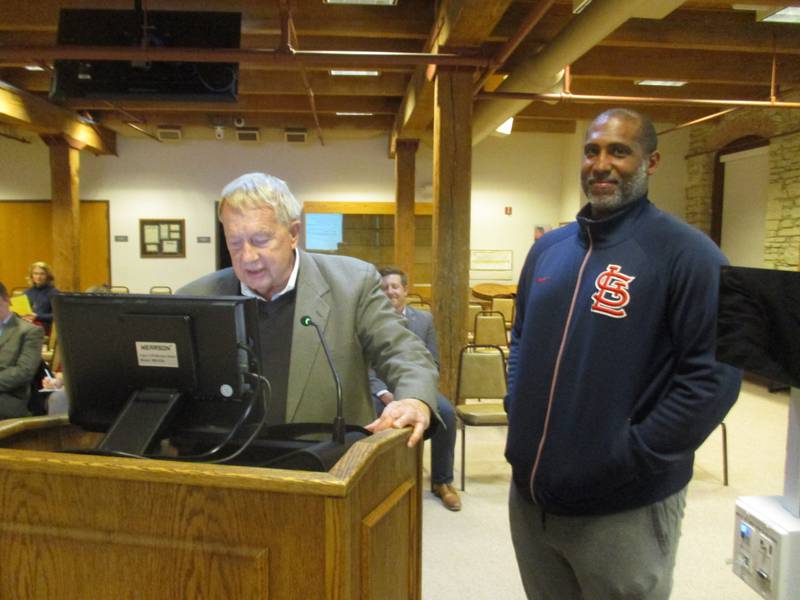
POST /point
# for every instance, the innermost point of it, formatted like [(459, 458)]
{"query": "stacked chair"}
[(472, 310), (480, 389), (506, 307), (161, 290), (490, 330)]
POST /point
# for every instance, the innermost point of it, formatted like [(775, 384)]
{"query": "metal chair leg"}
[(463, 453), (724, 454)]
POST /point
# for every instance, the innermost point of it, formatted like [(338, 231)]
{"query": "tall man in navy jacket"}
[(613, 382)]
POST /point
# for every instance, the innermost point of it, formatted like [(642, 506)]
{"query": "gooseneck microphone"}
[(338, 421)]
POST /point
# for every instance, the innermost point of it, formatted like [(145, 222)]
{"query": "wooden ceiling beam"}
[(29, 112), (709, 67), (733, 31), (725, 4), (253, 81), (118, 122), (698, 4), (626, 87), (354, 41), (714, 30), (248, 104), (410, 18), (537, 125), (461, 23), (566, 110), (287, 82)]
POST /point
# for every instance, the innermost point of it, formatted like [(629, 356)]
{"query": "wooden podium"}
[(76, 527)]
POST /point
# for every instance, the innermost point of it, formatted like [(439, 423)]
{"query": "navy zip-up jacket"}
[(613, 382)]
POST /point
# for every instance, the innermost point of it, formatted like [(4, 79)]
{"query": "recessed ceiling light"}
[(579, 5), (354, 72), (785, 15), (34, 68), (365, 2), (662, 82), (506, 127), (354, 114)]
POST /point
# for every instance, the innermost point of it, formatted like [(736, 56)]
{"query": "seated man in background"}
[(394, 284), (261, 220), (20, 355)]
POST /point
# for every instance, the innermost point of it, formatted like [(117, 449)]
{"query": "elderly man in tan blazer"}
[(261, 220)]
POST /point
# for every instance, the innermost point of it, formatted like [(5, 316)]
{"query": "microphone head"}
[(305, 321)]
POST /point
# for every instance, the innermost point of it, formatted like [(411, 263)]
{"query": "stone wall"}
[(782, 240), (782, 128)]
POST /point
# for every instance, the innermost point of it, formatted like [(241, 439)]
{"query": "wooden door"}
[(25, 237)]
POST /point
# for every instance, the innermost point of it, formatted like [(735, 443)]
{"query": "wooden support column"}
[(404, 225), (65, 179), (452, 182)]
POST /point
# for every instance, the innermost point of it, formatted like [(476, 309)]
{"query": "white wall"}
[(744, 206), (668, 183), (572, 197), (521, 171), (525, 171)]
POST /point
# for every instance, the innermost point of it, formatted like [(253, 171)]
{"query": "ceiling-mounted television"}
[(146, 80)]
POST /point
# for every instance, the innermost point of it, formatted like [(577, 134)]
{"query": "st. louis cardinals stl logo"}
[(612, 295)]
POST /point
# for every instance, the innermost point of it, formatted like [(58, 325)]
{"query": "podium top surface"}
[(36, 444)]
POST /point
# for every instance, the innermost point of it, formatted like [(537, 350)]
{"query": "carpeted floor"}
[(468, 555)]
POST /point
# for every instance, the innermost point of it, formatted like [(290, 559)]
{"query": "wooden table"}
[(487, 291)]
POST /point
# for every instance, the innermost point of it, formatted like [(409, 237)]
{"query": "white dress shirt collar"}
[(290, 285)]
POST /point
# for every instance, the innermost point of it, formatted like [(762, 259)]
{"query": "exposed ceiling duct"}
[(543, 71)]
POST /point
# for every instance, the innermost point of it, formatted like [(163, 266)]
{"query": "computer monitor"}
[(142, 368)]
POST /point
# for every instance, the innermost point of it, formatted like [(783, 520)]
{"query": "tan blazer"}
[(20, 356), (343, 296)]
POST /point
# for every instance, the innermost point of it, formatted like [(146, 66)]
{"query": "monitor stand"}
[(298, 446), (316, 456), (791, 479), (139, 424)]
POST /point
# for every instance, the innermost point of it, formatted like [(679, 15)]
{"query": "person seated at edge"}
[(342, 295), (40, 294), (20, 355), (58, 402), (394, 283)]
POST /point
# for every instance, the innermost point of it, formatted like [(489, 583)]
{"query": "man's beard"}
[(628, 190)]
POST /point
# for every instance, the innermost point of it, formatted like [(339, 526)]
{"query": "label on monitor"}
[(157, 354)]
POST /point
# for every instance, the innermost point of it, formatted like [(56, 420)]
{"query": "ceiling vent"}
[(248, 134), (169, 133), (296, 135)]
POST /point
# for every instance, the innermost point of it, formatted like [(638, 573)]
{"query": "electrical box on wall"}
[(766, 547)]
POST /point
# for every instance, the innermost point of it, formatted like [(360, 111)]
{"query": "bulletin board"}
[(162, 238)]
